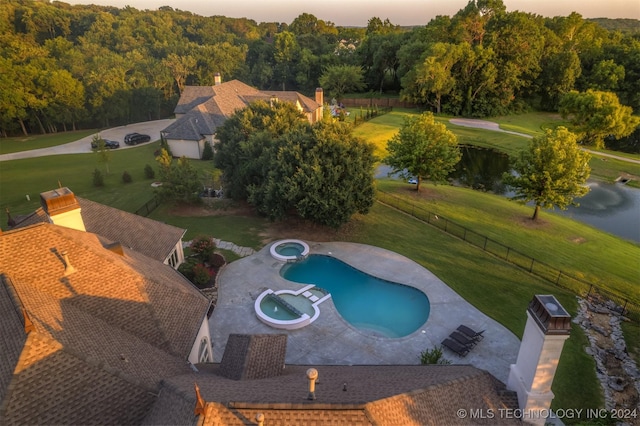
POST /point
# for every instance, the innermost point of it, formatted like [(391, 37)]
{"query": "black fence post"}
[(531, 266)]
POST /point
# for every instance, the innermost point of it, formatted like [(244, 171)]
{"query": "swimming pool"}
[(368, 303)]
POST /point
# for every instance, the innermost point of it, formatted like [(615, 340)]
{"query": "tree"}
[(104, 156), (551, 172), (180, 181), (596, 115), (423, 148), (272, 157), (340, 79)]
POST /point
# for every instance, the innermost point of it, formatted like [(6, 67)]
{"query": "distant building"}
[(201, 109)]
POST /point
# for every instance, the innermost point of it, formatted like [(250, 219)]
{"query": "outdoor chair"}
[(462, 339), (456, 347), (470, 333)]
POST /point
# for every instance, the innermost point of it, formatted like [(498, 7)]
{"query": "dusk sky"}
[(358, 12)]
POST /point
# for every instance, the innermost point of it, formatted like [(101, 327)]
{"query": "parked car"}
[(136, 138), (413, 181), (109, 144)]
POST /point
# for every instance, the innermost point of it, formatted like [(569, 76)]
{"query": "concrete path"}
[(227, 245), (331, 340), (490, 125), (83, 146)]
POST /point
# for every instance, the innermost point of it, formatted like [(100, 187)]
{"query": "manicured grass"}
[(577, 249), (531, 123), (27, 143), (241, 230), (631, 334)]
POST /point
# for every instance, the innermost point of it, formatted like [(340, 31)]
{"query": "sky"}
[(358, 12)]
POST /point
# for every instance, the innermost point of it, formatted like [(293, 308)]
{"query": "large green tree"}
[(423, 148), (271, 156), (340, 79), (596, 115), (552, 171)]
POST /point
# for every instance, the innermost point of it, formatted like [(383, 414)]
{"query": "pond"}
[(613, 208)]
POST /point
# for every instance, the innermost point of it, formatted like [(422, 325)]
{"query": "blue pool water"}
[(290, 249), (366, 302)]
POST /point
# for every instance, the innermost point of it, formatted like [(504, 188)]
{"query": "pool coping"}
[(330, 340)]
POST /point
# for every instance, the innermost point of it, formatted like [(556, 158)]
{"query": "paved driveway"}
[(83, 146)]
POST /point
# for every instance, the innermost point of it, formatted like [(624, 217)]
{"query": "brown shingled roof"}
[(147, 236), (384, 394), (105, 335)]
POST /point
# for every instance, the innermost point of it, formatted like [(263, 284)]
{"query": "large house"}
[(89, 327), (201, 109), (95, 332)]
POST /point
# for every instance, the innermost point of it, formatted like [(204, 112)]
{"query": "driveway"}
[(83, 146)]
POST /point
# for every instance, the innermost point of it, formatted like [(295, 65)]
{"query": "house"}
[(89, 329), (201, 109), (154, 239)]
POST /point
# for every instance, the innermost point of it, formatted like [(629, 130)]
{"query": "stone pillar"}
[(548, 326)]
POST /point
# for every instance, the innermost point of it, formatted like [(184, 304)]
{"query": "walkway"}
[(226, 245), (331, 340)]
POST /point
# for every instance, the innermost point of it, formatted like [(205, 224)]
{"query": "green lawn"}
[(27, 143)]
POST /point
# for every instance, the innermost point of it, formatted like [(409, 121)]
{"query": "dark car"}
[(107, 144), (136, 138)]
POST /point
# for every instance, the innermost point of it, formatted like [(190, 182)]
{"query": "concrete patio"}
[(330, 340)]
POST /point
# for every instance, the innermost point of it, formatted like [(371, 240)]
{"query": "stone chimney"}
[(62, 208), (217, 79), (320, 101), (548, 326)]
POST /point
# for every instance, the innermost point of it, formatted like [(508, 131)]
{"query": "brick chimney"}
[(548, 326), (62, 208), (217, 79), (320, 101)]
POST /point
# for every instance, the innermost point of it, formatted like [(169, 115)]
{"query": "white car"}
[(413, 181)]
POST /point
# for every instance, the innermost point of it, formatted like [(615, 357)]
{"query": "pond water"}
[(613, 208)]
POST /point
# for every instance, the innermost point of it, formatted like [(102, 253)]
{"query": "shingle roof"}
[(147, 236), (402, 394), (219, 102), (253, 356), (109, 332)]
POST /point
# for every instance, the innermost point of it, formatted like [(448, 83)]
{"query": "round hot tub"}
[(289, 250)]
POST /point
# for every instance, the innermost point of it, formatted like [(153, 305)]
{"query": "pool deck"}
[(330, 340)]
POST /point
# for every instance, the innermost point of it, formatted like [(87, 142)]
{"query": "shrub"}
[(202, 247), (216, 260), (126, 177), (149, 173), (433, 356), (164, 144), (186, 269), (98, 179), (201, 275), (207, 152)]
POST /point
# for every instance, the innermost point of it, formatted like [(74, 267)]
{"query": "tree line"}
[(65, 66)]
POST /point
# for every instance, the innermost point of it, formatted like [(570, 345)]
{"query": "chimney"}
[(68, 267), (319, 101), (548, 326), (217, 79), (62, 208), (312, 375)]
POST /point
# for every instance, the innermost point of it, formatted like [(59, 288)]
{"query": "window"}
[(204, 354)]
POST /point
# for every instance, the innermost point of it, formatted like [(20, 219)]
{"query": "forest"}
[(65, 67)]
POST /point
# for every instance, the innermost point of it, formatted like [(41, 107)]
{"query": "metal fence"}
[(148, 207), (534, 266)]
